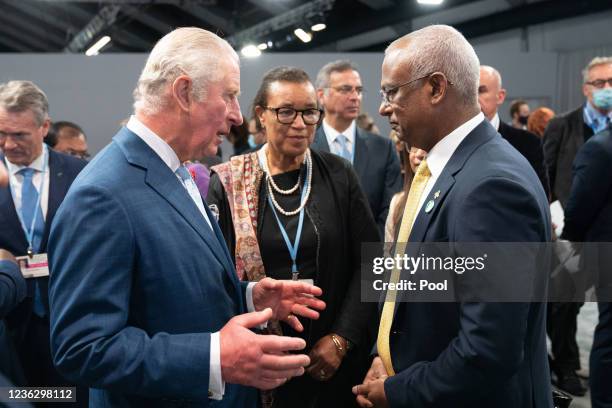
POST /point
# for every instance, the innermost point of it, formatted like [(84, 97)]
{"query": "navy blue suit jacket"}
[(63, 170), (12, 291), (378, 167), (138, 283), (475, 354)]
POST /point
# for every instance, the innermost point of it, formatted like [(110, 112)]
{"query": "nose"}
[(384, 109), (298, 122), (235, 115), (9, 144)]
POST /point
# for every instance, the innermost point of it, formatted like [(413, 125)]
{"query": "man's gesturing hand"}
[(258, 360), (288, 299)]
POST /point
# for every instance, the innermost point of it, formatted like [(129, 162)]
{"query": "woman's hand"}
[(325, 358)]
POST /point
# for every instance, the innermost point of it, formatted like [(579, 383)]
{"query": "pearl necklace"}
[(276, 187), (270, 185)]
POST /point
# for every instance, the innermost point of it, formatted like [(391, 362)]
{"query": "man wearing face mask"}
[(519, 112), (563, 137)]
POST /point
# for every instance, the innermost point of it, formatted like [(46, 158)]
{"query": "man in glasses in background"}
[(67, 137), (563, 137), (340, 92)]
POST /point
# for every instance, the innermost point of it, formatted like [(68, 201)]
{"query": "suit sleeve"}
[(393, 184), (12, 287), (489, 347), (591, 186), (93, 258), (552, 143), (356, 315)]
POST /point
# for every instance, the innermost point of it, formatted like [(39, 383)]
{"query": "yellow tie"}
[(414, 196)]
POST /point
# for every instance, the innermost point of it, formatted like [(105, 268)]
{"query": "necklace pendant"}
[(30, 252)]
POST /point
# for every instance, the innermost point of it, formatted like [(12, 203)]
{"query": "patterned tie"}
[(29, 207), (414, 196), (193, 191), (343, 151)]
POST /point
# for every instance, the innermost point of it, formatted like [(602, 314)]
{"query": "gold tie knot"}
[(423, 169)]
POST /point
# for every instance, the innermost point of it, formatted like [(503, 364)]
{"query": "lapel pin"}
[(429, 206), (436, 194)]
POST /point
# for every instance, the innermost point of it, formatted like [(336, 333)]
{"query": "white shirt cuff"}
[(250, 305), (216, 385)]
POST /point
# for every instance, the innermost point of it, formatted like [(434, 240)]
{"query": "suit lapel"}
[(320, 141), (482, 133), (161, 179), (58, 187), (361, 157)]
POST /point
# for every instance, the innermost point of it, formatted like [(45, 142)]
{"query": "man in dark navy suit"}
[(39, 180), (374, 158), (491, 95), (588, 218), (473, 187)]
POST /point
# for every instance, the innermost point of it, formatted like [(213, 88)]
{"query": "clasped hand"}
[(371, 394), (263, 361)]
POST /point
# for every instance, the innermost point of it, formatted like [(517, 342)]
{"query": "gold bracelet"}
[(337, 343)]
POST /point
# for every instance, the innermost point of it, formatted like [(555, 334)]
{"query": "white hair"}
[(594, 62), (20, 96), (493, 72), (441, 48), (189, 51)]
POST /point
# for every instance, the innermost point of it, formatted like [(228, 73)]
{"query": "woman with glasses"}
[(291, 213)]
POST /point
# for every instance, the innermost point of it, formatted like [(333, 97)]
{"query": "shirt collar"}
[(38, 164), (594, 118), (159, 146), (495, 121), (441, 153), (331, 133)]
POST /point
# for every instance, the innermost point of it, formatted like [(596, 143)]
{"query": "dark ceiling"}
[(352, 26)]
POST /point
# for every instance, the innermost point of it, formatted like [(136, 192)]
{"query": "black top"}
[(274, 251)]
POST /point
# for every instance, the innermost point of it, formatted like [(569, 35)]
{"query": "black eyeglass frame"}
[(295, 113)]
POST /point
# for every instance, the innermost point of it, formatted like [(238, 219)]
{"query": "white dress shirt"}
[(495, 121), (216, 385), (16, 180), (440, 154), (331, 134)]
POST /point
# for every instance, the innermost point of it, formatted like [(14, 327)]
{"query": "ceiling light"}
[(318, 27), (302, 35), (263, 46), (430, 2), (250, 51), (95, 49)]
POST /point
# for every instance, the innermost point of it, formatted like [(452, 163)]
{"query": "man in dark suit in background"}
[(588, 218), (564, 135), (491, 95), (39, 180), (374, 158), (472, 187)]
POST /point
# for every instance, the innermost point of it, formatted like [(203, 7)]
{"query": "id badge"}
[(35, 267)]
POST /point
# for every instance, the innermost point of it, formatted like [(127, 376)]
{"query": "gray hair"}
[(188, 51), (493, 72), (441, 48), (594, 62), (325, 72), (20, 96)]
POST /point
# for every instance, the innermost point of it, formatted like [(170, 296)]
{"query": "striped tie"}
[(414, 196)]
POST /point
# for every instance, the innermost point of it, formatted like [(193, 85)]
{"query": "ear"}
[(181, 92), (439, 86), (259, 112), (501, 96), (45, 127), (320, 95), (585, 90)]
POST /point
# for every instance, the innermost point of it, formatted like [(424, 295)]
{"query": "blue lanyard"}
[(293, 248), (29, 233)]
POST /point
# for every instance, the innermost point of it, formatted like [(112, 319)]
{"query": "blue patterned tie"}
[(192, 190), (29, 207), (344, 152)]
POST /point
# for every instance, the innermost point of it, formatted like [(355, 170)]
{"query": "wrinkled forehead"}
[(601, 71)]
